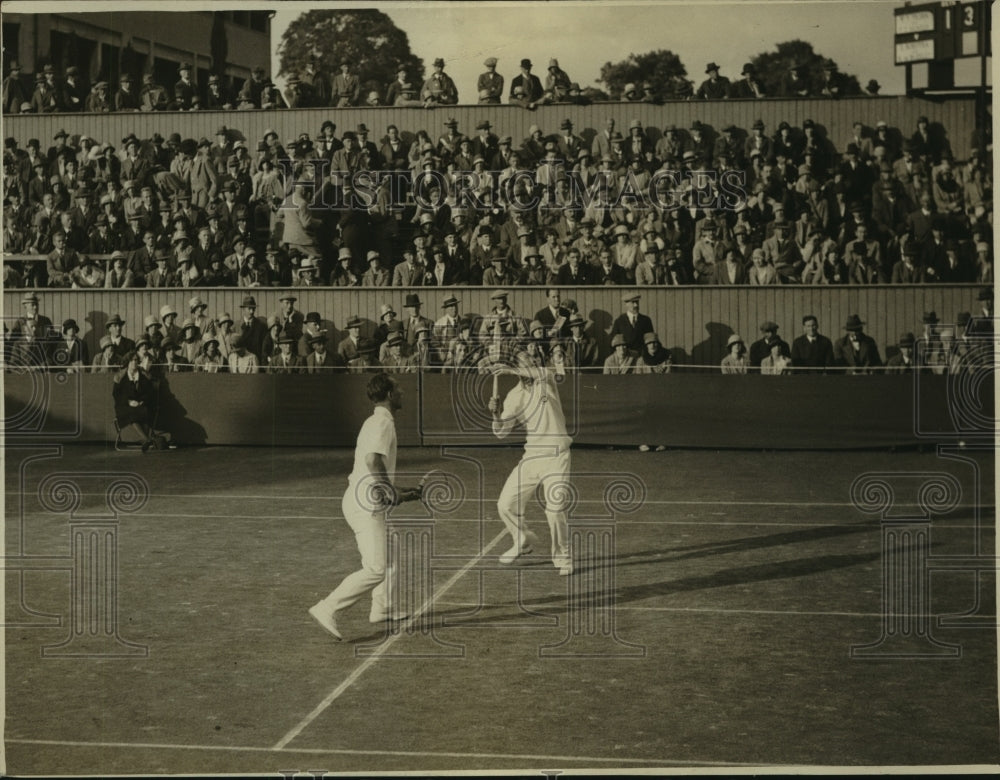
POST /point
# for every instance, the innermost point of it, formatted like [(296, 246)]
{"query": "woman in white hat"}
[(735, 361)]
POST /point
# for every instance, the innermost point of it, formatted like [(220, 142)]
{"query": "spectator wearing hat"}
[(203, 181), (365, 362), (14, 92), (735, 361), (730, 145), (577, 350), (833, 83), (47, 98), (241, 359), (758, 141), (907, 270), (211, 360), (218, 97), (376, 275), (105, 361), (929, 142), (654, 357), (526, 88), (347, 349), (345, 89), (394, 361), (285, 361), (28, 342), (152, 96), (730, 269), (251, 327), (70, 352), (631, 93), (439, 89), (904, 361), (783, 254), (343, 274), (557, 86), (857, 351), (489, 86), (749, 87), (408, 273), (812, 351), (161, 275), (190, 343), (413, 320), (620, 361), (320, 359), (402, 91), (126, 98), (88, 275), (631, 324), (954, 268), (715, 87), (794, 83), (252, 93), (761, 348), (122, 344), (184, 89)]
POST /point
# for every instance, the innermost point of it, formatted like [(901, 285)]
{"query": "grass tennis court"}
[(740, 585)]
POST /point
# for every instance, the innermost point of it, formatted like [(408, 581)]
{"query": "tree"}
[(367, 38), (773, 68), (662, 68)]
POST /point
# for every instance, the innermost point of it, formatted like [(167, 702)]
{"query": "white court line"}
[(710, 610), (650, 501), (404, 753), (748, 524), (374, 657)]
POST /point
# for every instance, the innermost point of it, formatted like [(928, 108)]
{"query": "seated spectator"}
[(857, 350), (654, 358), (365, 362), (135, 400), (619, 361), (88, 275), (761, 348), (735, 361), (903, 363), (106, 361), (241, 359), (461, 350), (731, 270), (211, 360), (71, 351), (578, 350), (395, 362), (905, 271), (776, 363), (812, 350), (284, 360), (347, 350), (376, 275), (224, 332), (270, 345)]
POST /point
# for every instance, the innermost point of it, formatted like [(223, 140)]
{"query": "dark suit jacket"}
[(548, 319), (633, 335), (254, 334), (760, 349), (866, 357), (566, 278), (818, 354)]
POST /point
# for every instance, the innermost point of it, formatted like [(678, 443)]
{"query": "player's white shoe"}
[(322, 615), (515, 552), (564, 565)]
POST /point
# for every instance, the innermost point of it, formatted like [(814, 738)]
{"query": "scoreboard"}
[(940, 32)]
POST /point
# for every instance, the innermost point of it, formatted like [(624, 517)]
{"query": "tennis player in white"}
[(534, 403), (370, 495)]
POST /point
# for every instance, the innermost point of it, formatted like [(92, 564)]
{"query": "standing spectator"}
[(735, 361), (490, 83), (631, 324), (761, 348), (184, 89), (126, 98), (105, 362), (14, 93), (906, 270), (252, 94), (30, 335), (526, 87), (347, 350), (619, 361), (812, 350), (749, 86), (252, 328), (152, 96), (71, 352), (902, 363), (122, 344), (715, 87), (557, 84), (47, 98), (218, 97), (857, 350), (439, 89), (579, 350), (346, 87)]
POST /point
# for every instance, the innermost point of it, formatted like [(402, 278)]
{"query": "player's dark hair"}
[(810, 317), (379, 387)]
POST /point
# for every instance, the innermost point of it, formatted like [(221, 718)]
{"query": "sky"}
[(858, 35)]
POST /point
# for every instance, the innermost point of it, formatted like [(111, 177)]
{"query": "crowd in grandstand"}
[(290, 342), (674, 206), (313, 88)]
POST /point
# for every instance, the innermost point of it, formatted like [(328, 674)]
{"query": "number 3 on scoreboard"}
[(970, 15)]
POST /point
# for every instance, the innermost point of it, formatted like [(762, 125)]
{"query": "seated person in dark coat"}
[(135, 400)]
